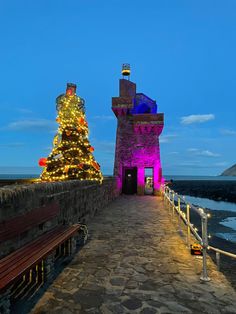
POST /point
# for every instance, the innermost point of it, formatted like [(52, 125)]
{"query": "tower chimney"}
[(70, 89)]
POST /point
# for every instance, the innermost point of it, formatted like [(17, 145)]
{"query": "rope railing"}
[(175, 201)]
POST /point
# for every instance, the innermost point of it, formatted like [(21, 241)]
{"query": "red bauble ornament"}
[(42, 162), (91, 149), (66, 169), (95, 165), (81, 121)]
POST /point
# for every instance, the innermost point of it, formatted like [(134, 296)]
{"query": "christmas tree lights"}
[(71, 156)]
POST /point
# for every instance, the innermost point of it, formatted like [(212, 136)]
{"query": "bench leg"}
[(73, 245), (5, 302), (49, 266)]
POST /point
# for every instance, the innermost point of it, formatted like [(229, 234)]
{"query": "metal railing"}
[(175, 202), (218, 252)]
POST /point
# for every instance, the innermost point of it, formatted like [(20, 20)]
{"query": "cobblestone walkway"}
[(136, 262)]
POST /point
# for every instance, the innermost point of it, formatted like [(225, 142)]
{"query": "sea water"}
[(207, 178), (218, 205), (167, 177)]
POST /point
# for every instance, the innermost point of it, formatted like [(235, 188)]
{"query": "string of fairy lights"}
[(183, 214), (71, 156)]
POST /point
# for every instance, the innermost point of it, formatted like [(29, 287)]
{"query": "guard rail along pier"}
[(174, 202)]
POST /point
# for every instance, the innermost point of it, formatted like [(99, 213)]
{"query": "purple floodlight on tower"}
[(137, 139)]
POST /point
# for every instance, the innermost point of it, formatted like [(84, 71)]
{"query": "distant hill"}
[(230, 171)]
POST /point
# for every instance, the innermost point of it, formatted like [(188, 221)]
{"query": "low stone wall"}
[(78, 200)]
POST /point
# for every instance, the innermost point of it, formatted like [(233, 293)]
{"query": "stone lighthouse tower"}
[(137, 139)]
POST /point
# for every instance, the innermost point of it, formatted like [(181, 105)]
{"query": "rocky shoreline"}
[(218, 191)]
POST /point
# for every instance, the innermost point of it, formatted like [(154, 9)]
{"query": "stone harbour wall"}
[(78, 202)]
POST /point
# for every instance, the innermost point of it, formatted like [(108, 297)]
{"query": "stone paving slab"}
[(136, 262)]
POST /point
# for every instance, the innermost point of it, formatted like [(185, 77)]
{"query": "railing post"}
[(169, 199), (173, 205), (204, 276), (165, 195), (162, 193), (179, 209), (188, 224), (179, 204), (218, 260)]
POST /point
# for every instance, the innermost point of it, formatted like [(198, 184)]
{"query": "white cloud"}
[(103, 117), (192, 150), (32, 125), (205, 153), (221, 164), (187, 165), (227, 132), (208, 153), (173, 153), (54, 131), (103, 146), (12, 145), (167, 138), (24, 110), (197, 118), (199, 164)]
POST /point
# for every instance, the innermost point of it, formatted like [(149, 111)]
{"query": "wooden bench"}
[(35, 257), (18, 225)]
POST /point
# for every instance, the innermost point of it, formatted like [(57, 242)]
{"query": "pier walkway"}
[(136, 262)]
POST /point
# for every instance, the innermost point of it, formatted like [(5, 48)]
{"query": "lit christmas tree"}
[(71, 156)]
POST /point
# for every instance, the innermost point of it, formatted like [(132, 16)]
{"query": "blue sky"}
[(182, 53)]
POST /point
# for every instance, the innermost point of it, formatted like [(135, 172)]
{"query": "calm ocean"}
[(214, 178)]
